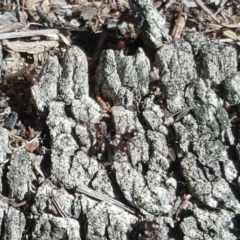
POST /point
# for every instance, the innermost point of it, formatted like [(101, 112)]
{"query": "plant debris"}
[(119, 119)]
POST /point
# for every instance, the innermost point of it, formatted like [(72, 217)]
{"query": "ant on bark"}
[(146, 230), (31, 77), (128, 137), (105, 140)]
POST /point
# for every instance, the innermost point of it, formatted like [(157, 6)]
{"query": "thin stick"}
[(174, 32), (38, 170), (201, 4), (57, 206), (91, 193), (23, 203), (28, 34)]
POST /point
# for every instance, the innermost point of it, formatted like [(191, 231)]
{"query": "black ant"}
[(105, 140), (102, 138), (99, 128), (32, 77), (124, 145), (146, 230)]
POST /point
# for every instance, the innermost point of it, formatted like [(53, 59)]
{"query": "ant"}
[(124, 146), (106, 139), (31, 77), (121, 45), (103, 138), (99, 128), (146, 230)]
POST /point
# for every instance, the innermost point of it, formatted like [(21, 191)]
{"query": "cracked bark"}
[(125, 193)]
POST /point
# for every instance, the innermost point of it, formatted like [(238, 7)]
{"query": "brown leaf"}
[(32, 146)]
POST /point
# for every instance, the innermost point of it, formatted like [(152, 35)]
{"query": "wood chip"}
[(30, 47), (177, 31), (11, 35)]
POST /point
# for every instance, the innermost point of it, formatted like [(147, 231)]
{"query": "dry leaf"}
[(182, 113), (169, 121), (235, 19), (154, 75), (158, 4), (178, 28), (31, 8), (32, 4), (172, 154), (32, 146), (230, 34), (45, 6), (12, 64), (215, 26), (64, 39)]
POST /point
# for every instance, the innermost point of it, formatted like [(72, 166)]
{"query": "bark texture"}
[(163, 164)]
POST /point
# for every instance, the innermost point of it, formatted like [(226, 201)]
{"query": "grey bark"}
[(117, 187)]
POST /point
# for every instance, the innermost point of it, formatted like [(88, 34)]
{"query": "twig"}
[(222, 7), (235, 25), (201, 4), (18, 10), (30, 133), (57, 206), (180, 23), (9, 201), (17, 148), (23, 203), (11, 35), (18, 138), (102, 104), (183, 205), (98, 196), (38, 170)]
